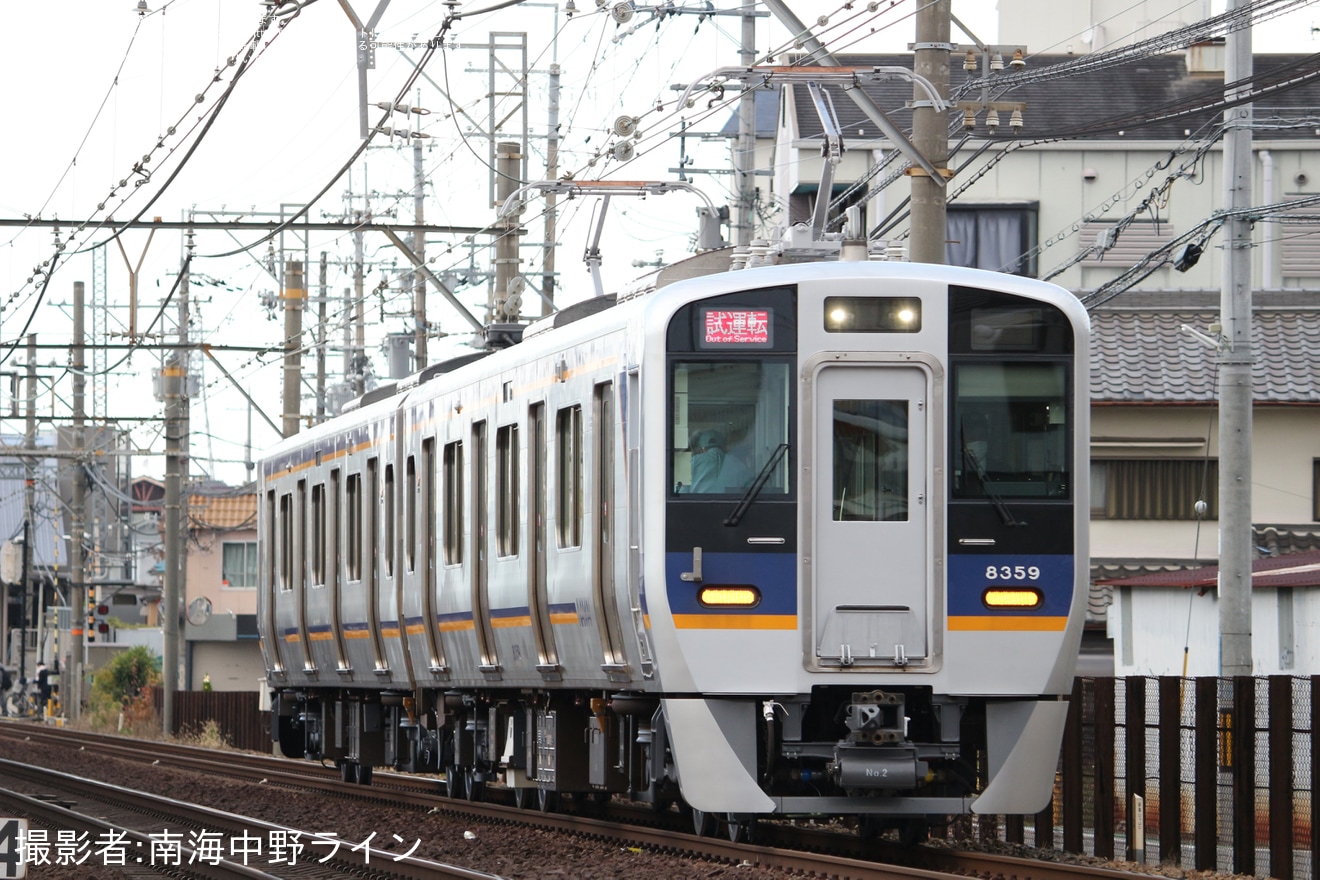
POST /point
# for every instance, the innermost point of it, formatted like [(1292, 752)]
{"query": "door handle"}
[(693, 576)]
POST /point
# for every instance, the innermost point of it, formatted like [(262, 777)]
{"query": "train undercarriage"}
[(893, 758)]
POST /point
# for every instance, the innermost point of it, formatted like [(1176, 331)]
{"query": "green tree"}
[(124, 678)]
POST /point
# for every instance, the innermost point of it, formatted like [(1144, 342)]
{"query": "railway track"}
[(781, 846)]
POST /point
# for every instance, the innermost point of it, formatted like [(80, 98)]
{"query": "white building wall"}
[(233, 666), (1094, 25), (1151, 626), (1285, 441)]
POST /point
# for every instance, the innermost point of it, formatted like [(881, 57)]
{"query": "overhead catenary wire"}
[(62, 251)]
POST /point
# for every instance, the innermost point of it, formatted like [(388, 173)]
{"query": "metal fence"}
[(237, 716), (1215, 774)]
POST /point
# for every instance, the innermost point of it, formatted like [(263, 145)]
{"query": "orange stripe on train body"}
[(1017, 623), (736, 621)]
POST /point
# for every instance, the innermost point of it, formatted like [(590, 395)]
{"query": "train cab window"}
[(353, 529), (870, 460), (1010, 430), (507, 501), (731, 421), (453, 533), (568, 469)]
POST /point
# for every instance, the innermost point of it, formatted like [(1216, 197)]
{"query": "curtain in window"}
[(239, 562), (1165, 489), (985, 239)]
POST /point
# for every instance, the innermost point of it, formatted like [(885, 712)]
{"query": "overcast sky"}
[(92, 88)]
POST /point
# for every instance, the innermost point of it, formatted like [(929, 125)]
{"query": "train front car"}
[(867, 592)]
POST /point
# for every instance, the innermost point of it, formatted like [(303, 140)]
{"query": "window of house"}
[(238, 562), (1315, 489), (802, 204), (1299, 244), (1108, 247), (1000, 238), (1162, 488)]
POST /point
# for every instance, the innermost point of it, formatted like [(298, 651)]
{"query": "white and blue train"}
[(794, 540)]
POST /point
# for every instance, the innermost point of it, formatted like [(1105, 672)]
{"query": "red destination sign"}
[(738, 327)]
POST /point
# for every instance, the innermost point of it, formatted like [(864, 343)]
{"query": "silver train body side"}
[(510, 569)]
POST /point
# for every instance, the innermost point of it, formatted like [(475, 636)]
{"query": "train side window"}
[(334, 505), (353, 530), (370, 508), (267, 526), (286, 542), (387, 503), (424, 543), (411, 489), (301, 546), (568, 446), (506, 490), (453, 464), (318, 534)]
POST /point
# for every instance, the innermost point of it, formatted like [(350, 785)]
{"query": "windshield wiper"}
[(991, 495), (755, 489)]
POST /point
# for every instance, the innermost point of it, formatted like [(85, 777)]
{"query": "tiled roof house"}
[(1107, 156)]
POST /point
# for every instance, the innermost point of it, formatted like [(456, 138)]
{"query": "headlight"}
[(729, 597), (1012, 597)]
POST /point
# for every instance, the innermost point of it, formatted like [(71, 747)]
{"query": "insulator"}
[(1018, 61), (992, 121), (996, 63), (969, 63), (1015, 120), (969, 119)]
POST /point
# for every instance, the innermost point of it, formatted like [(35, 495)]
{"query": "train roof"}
[(664, 293)]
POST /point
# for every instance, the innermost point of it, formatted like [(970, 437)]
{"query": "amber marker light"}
[(729, 597), (1005, 597)]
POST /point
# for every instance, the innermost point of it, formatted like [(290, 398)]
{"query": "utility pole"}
[(930, 131), (174, 388), (744, 156), (73, 677), (1235, 361), (419, 248), (359, 310), (507, 163), (551, 173), (29, 496), (321, 331), (295, 295)]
